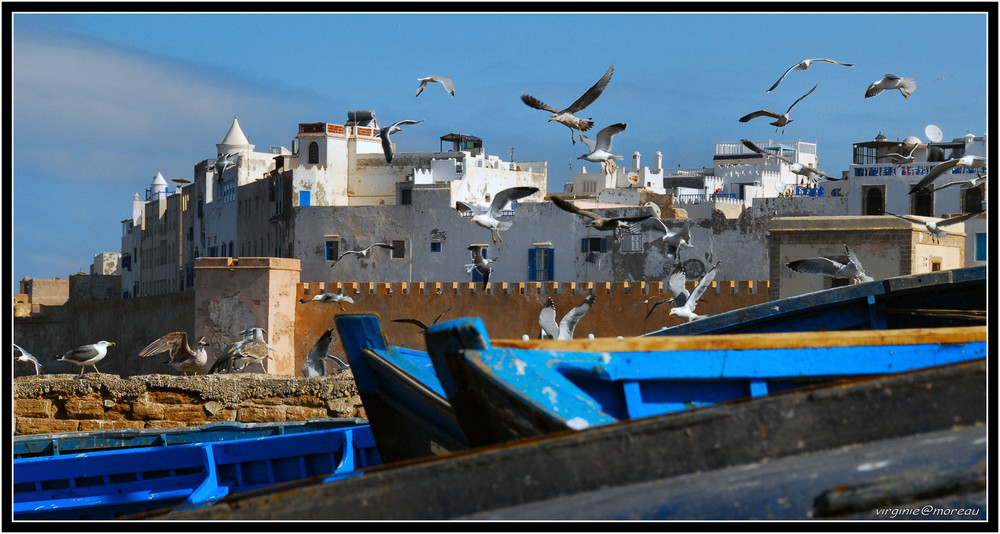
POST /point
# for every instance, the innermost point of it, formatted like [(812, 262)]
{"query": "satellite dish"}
[(633, 177), (933, 133)]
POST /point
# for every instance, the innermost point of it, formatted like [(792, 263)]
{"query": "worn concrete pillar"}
[(232, 295)]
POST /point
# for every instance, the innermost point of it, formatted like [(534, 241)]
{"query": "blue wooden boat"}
[(107, 483), (409, 413), (929, 300), (509, 390)]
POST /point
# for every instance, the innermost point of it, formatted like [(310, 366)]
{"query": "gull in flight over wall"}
[(968, 161), (363, 253), (480, 263), (565, 328), (22, 355), (600, 150), (87, 355), (446, 82), (183, 357), (813, 175), (803, 65), (842, 267), (567, 116), (677, 285), (973, 182), (935, 229), (385, 132), (901, 159), (488, 217), (906, 85), (686, 310), (224, 162), (420, 324), (597, 222), (339, 298), (675, 237), (316, 359)]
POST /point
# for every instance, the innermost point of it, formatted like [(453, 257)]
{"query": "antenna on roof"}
[(933, 133)]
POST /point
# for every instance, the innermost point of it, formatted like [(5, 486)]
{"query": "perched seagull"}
[(339, 298), (843, 267), (600, 150), (87, 355), (224, 162), (566, 116), (606, 224), (935, 228), (420, 324), (363, 253), (686, 310), (906, 85), (251, 349), (316, 359), (974, 182), (22, 355), (900, 159), (446, 82), (182, 356), (487, 216), (803, 65), (479, 263), (969, 162), (566, 327), (385, 132), (813, 175), (780, 119)]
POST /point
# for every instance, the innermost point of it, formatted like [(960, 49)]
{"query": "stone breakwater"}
[(66, 403)]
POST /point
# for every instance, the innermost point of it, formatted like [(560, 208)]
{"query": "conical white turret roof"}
[(234, 140)]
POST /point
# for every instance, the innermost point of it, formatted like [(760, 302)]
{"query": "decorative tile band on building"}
[(307, 290)]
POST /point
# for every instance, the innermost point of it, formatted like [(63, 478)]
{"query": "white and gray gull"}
[(934, 228), (813, 175), (183, 357), (316, 359), (339, 298), (607, 224), (480, 263), (444, 81), (22, 355), (600, 150), (565, 328), (803, 65), (906, 85), (488, 217), (385, 132), (969, 161), (836, 267), (567, 116), (781, 119), (686, 310), (86, 355)]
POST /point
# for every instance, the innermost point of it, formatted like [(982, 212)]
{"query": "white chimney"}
[(635, 160), (658, 158)]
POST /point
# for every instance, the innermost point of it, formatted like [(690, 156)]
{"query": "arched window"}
[(972, 200), (874, 201), (314, 152), (922, 203)]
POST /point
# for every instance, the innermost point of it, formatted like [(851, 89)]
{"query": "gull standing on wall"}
[(183, 357), (487, 217), (87, 355), (566, 116)]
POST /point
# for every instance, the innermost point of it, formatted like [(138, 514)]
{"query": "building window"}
[(631, 243), (399, 249), (972, 200), (332, 250), (406, 196), (922, 203), (594, 244), (980, 246), (935, 266), (436, 246), (314, 152), (541, 264), (305, 198), (873, 199)]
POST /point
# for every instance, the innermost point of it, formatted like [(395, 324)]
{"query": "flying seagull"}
[(843, 267), (87, 355), (22, 355), (803, 65), (446, 82), (224, 162), (420, 324), (363, 253), (780, 119), (676, 237), (814, 175), (901, 159), (974, 182), (480, 264), (600, 150), (566, 327), (906, 85), (183, 357), (487, 216), (339, 298), (968, 161), (385, 132), (316, 359), (615, 224), (935, 228), (567, 116), (686, 310), (677, 285)]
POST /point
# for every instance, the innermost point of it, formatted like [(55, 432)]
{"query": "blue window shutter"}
[(604, 244), (304, 199), (583, 245), (532, 256), (551, 267), (980, 247)]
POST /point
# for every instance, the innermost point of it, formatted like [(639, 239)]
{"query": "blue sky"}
[(103, 102)]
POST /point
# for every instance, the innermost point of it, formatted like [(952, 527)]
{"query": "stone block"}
[(260, 414), (84, 409), (33, 408), (30, 425), (172, 397), (189, 413), (147, 411), (165, 424), (300, 413), (86, 426)]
